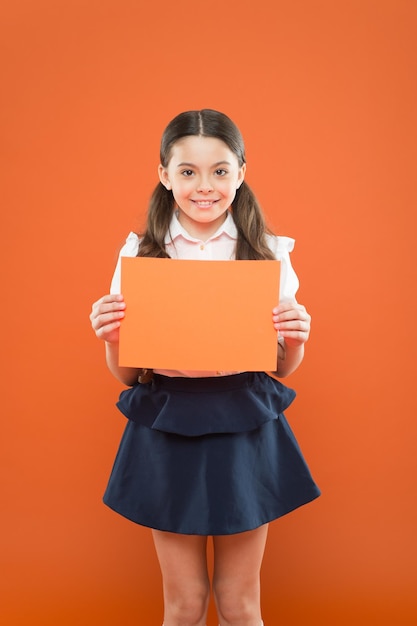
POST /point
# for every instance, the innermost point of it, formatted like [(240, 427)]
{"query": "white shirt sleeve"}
[(281, 248), (130, 248)]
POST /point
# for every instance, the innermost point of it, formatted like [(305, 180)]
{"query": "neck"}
[(198, 230)]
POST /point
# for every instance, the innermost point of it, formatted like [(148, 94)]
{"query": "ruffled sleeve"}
[(281, 248), (130, 248)]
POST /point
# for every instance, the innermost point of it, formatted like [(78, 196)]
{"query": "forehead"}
[(198, 149)]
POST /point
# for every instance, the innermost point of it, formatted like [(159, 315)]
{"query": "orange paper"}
[(199, 315)]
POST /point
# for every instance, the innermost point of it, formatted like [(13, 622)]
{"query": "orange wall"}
[(325, 93)]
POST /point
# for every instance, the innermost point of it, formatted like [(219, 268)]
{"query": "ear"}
[(241, 175), (163, 176)]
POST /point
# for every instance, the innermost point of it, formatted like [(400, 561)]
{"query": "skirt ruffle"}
[(200, 406), (214, 477)]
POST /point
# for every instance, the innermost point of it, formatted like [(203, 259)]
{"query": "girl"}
[(177, 471)]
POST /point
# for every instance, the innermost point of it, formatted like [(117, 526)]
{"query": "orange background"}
[(324, 92)]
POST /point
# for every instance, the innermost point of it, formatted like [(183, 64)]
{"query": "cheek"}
[(182, 192), (230, 189), (180, 188)]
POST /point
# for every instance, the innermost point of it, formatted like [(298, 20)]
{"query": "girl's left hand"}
[(292, 322)]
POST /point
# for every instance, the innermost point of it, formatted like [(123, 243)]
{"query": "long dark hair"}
[(246, 211)]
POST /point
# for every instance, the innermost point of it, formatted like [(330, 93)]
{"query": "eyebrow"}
[(185, 164)]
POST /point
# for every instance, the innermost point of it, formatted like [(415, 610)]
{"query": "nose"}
[(204, 185)]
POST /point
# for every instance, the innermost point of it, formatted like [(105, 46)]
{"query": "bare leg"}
[(183, 562), (236, 580)]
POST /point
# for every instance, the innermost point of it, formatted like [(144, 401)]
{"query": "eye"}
[(187, 173), (221, 172)]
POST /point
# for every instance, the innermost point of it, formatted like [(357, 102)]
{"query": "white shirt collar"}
[(176, 229)]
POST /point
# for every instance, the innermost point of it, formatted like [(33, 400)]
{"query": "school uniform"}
[(208, 453)]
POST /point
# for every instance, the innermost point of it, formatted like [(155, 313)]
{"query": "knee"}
[(238, 605), (236, 613), (188, 607)]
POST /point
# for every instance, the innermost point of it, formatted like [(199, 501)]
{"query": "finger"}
[(105, 331), (106, 305), (285, 305), (295, 337), (106, 319), (293, 325), (288, 308), (292, 314), (108, 299), (111, 297), (285, 326)]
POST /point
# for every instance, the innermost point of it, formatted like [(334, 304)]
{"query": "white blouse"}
[(221, 246)]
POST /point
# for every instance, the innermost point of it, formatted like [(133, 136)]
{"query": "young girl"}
[(207, 453)]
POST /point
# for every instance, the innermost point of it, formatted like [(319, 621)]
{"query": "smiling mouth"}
[(204, 204)]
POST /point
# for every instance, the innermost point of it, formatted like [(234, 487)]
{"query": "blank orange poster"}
[(199, 315)]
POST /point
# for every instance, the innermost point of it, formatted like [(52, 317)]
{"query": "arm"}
[(292, 322), (106, 316)]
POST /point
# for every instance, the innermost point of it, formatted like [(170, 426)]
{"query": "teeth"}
[(204, 204)]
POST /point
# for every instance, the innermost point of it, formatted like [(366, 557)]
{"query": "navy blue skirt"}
[(208, 456)]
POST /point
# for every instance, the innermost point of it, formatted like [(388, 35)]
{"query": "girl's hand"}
[(106, 316), (292, 322)]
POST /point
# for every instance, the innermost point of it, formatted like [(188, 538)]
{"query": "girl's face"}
[(203, 174)]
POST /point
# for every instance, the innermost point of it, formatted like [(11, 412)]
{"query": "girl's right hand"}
[(106, 316)]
